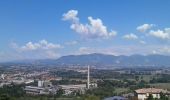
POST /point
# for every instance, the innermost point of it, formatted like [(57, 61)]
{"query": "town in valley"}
[(75, 82), (84, 49)]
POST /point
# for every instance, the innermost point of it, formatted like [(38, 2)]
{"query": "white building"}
[(2, 76), (80, 88), (40, 83), (142, 94), (69, 89), (4, 83), (35, 90), (93, 85), (44, 87)]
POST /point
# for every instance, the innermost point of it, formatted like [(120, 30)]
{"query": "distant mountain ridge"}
[(103, 59)]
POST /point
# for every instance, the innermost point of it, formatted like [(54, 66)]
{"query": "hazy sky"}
[(40, 29)]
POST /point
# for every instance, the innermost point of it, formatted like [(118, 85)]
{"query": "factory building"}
[(44, 87), (80, 88)]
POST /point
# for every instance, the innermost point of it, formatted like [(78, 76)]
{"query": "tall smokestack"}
[(88, 78)]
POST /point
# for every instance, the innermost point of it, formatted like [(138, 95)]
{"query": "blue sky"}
[(40, 29)]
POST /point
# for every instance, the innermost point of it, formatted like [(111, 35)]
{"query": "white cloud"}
[(43, 44), (127, 50), (89, 50), (154, 52), (162, 34), (144, 27), (71, 15), (36, 50), (164, 50), (167, 30), (85, 50), (94, 29), (142, 42), (71, 43), (51, 54), (130, 36)]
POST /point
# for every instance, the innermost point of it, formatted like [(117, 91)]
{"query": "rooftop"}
[(73, 86), (150, 90)]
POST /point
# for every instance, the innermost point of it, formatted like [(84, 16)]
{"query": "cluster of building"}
[(24, 77), (7, 79), (45, 87)]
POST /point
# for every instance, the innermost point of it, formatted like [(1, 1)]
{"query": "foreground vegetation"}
[(110, 83)]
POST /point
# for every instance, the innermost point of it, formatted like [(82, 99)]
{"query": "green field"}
[(161, 85), (147, 78), (121, 90)]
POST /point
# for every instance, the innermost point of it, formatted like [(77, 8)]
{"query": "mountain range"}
[(105, 60)]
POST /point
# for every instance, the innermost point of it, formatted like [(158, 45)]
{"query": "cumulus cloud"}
[(71, 43), (71, 15), (85, 50), (37, 50), (154, 52), (142, 42), (144, 27), (94, 29), (42, 44), (164, 50), (130, 36), (162, 34), (51, 54), (126, 50)]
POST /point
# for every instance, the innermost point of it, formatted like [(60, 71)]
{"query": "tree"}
[(41, 97), (150, 97), (13, 90), (137, 78), (4, 97), (60, 92), (92, 98), (163, 96)]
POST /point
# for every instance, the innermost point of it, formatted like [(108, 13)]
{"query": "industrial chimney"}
[(88, 78)]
